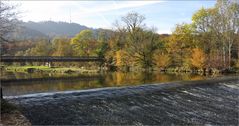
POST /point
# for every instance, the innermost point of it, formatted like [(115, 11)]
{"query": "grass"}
[(27, 69)]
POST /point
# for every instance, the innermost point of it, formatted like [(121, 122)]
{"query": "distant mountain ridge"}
[(56, 28), (50, 29), (46, 29)]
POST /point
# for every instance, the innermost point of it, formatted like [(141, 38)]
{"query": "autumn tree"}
[(140, 40), (229, 18), (180, 44), (207, 36), (217, 29), (116, 53), (121, 58), (61, 47), (162, 60), (42, 48), (198, 58)]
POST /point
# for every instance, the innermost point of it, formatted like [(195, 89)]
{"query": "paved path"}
[(213, 102)]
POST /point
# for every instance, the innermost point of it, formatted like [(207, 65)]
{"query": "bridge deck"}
[(49, 59)]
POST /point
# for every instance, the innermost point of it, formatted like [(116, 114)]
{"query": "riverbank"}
[(10, 115), (200, 71), (207, 102), (46, 69), (31, 69)]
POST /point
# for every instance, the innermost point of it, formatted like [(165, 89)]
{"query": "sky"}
[(163, 15)]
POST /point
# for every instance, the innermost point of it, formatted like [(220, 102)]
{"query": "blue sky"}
[(102, 14)]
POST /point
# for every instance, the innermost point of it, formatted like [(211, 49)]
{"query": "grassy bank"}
[(31, 69)]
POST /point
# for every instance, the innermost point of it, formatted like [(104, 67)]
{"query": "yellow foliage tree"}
[(198, 58), (120, 57), (237, 63), (162, 60)]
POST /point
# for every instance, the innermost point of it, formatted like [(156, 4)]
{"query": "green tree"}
[(102, 45), (84, 44)]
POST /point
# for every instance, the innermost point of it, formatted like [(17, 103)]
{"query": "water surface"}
[(24, 83)]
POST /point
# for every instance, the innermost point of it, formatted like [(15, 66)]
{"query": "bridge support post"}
[(48, 64), (101, 66), (1, 93)]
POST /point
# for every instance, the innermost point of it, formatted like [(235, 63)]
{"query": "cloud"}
[(63, 10), (104, 6), (106, 10)]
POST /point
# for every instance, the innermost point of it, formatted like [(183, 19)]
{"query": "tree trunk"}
[(238, 51), (1, 96), (229, 56), (224, 57)]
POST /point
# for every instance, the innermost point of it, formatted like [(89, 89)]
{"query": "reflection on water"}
[(66, 82)]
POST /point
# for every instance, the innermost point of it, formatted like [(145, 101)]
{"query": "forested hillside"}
[(45, 29)]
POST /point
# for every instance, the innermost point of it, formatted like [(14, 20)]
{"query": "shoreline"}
[(42, 69)]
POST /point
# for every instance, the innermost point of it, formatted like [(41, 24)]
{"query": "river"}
[(24, 83), (119, 98)]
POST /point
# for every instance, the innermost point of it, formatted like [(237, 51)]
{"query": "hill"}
[(46, 29)]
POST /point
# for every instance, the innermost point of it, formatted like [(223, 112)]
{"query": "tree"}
[(162, 60), (84, 44), (229, 15), (102, 45), (218, 28), (198, 58), (8, 19), (61, 47), (42, 48), (180, 44), (121, 58), (207, 36), (140, 41)]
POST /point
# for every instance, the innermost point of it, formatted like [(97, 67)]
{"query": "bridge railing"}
[(48, 59)]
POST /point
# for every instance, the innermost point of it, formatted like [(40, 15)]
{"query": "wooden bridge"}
[(49, 59)]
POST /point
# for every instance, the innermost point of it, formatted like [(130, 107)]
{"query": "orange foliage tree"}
[(121, 58), (162, 60), (198, 58)]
